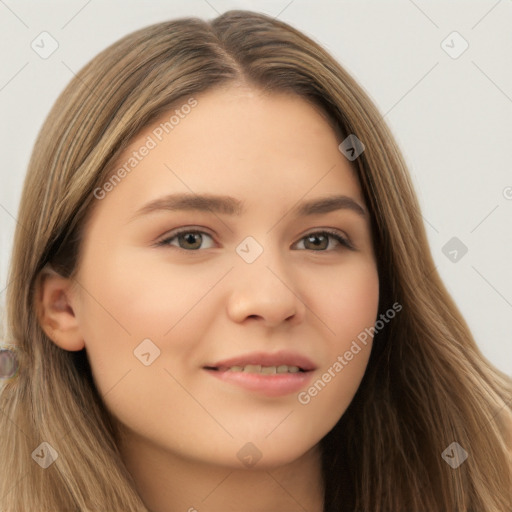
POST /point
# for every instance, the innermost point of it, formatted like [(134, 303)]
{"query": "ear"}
[(55, 310)]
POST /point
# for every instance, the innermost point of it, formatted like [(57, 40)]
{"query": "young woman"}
[(222, 297)]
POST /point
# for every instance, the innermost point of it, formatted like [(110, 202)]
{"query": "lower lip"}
[(279, 384)]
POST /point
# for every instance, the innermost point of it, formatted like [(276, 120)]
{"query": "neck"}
[(168, 483)]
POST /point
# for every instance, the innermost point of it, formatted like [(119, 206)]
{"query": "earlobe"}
[(55, 310)]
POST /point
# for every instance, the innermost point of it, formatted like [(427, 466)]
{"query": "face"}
[(224, 334)]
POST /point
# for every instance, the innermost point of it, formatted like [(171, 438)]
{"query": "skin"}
[(182, 428)]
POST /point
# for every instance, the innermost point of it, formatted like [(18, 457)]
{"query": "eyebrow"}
[(230, 206)]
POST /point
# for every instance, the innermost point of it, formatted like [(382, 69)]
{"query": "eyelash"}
[(333, 234)]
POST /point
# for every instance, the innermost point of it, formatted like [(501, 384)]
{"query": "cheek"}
[(120, 308), (350, 305), (349, 311), (136, 304)]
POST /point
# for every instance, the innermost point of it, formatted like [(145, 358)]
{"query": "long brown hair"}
[(427, 384)]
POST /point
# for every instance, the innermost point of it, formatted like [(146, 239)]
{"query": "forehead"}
[(237, 118), (239, 141)]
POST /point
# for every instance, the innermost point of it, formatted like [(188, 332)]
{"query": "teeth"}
[(266, 370)]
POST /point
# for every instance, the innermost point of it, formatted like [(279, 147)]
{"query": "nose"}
[(265, 292)]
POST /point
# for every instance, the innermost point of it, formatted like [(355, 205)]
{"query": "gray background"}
[(452, 117)]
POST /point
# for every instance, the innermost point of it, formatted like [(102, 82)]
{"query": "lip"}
[(272, 385)]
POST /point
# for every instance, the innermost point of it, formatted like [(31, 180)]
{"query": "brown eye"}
[(188, 240), (317, 241), (320, 241)]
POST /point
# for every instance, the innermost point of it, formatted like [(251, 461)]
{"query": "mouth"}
[(258, 368), (272, 375)]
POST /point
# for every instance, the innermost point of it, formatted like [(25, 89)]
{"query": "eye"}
[(320, 240), (192, 239), (188, 239)]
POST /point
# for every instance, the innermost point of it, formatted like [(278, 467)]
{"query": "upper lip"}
[(266, 359)]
